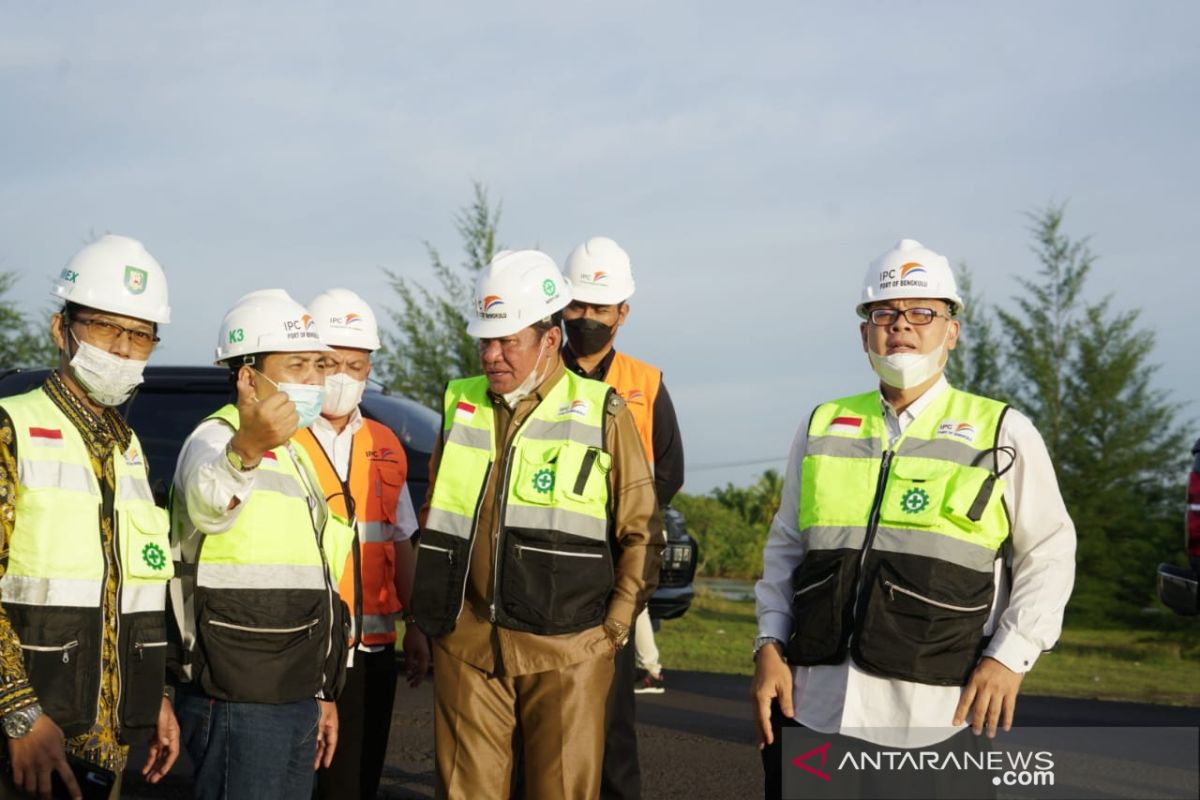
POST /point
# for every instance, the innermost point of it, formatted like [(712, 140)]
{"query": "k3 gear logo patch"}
[(914, 501), (154, 556), (548, 287), (543, 481)]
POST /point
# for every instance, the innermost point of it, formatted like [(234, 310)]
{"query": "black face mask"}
[(587, 336)]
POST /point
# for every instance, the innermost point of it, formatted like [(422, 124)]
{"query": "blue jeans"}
[(257, 751)]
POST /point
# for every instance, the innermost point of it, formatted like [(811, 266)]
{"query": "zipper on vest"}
[(65, 649), (140, 648), (872, 526), (811, 586), (893, 588), (523, 547), (503, 509), (311, 487), (308, 626)]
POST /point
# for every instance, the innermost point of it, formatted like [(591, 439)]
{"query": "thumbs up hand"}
[(265, 424)]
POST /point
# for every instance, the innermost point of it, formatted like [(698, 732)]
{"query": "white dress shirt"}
[(891, 712)]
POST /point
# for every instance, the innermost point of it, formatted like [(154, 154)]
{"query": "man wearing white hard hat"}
[(922, 556), (601, 278), (540, 543), (257, 606), (84, 552), (362, 469)]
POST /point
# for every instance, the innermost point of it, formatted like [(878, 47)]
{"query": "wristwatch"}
[(18, 723), (762, 642), (236, 461), (617, 632)]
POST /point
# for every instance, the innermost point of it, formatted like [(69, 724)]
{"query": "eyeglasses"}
[(104, 333), (883, 317)]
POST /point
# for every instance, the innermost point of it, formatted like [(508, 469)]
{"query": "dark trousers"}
[(621, 778), (364, 721), (882, 784)]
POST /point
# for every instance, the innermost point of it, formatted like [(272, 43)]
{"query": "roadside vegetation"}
[(1144, 666)]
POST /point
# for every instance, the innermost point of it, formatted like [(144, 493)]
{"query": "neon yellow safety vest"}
[(902, 537), (267, 625), (554, 570), (53, 587)]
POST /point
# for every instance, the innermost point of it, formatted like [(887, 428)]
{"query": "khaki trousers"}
[(556, 717)]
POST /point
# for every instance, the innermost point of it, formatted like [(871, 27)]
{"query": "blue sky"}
[(751, 158)]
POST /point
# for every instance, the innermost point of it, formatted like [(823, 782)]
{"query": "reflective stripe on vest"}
[(637, 382), (58, 491), (266, 547), (554, 454), (377, 471), (941, 468)]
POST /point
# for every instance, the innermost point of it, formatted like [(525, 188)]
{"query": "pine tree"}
[(429, 344)]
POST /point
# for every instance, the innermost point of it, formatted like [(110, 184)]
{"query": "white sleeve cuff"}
[(776, 624), (1013, 650)]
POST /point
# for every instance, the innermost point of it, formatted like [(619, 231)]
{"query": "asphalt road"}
[(696, 741)]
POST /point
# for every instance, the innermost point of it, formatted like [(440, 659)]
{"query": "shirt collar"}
[(917, 406), (356, 422)]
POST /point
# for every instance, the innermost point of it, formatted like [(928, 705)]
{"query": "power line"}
[(724, 464)]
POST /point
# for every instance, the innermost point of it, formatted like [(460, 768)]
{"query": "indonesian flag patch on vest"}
[(464, 411), (845, 425), (46, 437)]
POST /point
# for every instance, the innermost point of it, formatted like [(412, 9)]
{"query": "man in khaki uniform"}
[(519, 581)]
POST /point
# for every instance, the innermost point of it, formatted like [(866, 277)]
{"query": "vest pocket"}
[(63, 664), (261, 657), (818, 610), (924, 621), (537, 475), (438, 585), (143, 661), (583, 471), (972, 498), (916, 492), (145, 542), (554, 585)]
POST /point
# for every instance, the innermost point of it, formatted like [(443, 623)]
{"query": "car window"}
[(163, 419), (414, 424)]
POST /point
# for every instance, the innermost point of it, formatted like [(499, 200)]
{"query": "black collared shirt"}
[(668, 445)]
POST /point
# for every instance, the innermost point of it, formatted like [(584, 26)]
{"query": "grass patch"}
[(716, 635)]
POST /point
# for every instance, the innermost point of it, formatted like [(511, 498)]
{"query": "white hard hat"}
[(515, 290), (117, 275), (909, 270), (345, 320), (267, 321), (599, 272)]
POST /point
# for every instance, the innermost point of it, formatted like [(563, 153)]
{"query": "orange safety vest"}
[(637, 382), (378, 468)]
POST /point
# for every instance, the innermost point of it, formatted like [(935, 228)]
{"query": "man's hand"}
[(164, 745), (416, 655), (772, 681), (327, 734), (990, 696), (264, 424), (36, 755)]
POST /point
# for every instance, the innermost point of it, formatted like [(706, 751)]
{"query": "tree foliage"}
[(1082, 372), (24, 342), (428, 344)]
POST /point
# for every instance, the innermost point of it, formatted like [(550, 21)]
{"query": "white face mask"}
[(108, 380), (342, 394), (906, 370), (531, 382)]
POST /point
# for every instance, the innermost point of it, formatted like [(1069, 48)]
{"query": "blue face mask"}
[(306, 397)]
